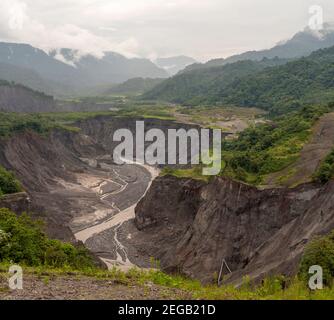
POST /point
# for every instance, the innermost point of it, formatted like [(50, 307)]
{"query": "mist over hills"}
[(301, 44), (65, 72), (173, 65), (111, 68)]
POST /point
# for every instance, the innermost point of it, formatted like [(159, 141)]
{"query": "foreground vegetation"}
[(271, 289), (319, 252), (22, 241)]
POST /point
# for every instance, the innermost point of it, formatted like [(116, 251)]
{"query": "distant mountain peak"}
[(301, 44), (328, 28), (68, 71), (66, 55), (173, 65)]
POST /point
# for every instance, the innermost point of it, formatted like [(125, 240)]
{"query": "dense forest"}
[(278, 89), (199, 86)]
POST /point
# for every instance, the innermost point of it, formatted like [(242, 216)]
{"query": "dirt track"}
[(51, 287)]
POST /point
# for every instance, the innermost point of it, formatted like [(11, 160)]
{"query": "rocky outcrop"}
[(191, 226), (18, 202)]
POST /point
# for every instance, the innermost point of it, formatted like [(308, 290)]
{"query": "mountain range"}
[(276, 85), (65, 72), (301, 44)]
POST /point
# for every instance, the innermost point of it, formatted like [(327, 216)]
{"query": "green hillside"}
[(248, 84), (202, 85), (134, 86)]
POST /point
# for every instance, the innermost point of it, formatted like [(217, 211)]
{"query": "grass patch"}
[(194, 173), (270, 147), (326, 170), (273, 288)]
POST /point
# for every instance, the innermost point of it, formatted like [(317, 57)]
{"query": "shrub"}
[(24, 241), (326, 169), (319, 252), (8, 183), (271, 147)]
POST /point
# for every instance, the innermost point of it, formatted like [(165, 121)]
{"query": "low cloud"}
[(153, 28), (18, 26)]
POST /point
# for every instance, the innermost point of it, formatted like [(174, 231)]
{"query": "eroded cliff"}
[(192, 226), (189, 225)]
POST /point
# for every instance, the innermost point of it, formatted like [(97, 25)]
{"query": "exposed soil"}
[(51, 287), (74, 185), (257, 232), (189, 226)]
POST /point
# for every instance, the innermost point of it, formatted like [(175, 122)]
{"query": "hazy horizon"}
[(151, 29)]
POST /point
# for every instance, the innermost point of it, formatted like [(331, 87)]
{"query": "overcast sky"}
[(202, 29)]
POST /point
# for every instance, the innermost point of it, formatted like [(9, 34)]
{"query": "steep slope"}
[(318, 147), (189, 225), (257, 232), (55, 169), (17, 98)]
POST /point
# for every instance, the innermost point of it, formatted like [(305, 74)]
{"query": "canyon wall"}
[(191, 226)]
